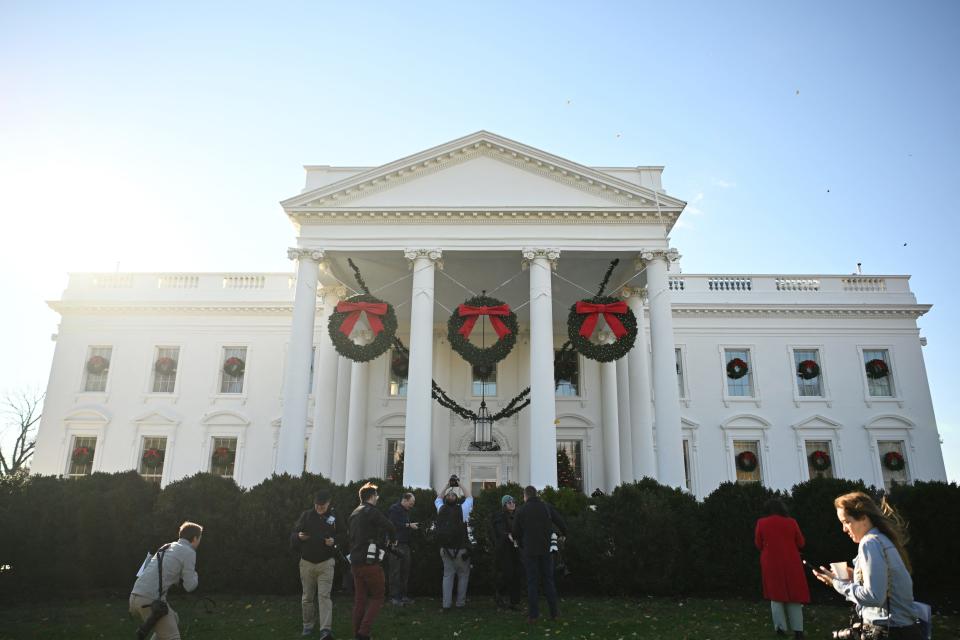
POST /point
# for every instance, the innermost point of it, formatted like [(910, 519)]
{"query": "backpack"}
[(448, 533)]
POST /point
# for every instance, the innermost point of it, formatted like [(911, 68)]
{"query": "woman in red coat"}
[(784, 583)]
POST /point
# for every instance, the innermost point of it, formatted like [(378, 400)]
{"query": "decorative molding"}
[(544, 215), (832, 311), (434, 255), (300, 253), (631, 292), (669, 255), (532, 253)]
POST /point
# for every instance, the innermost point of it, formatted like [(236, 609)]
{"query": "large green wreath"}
[(382, 341), (496, 352), (602, 352)]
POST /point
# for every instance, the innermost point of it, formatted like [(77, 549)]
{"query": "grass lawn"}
[(243, 618)]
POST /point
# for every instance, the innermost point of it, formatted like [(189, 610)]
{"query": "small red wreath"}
[(234, 366), (746, 461), (893, 461), (400, 365), (877, 369), (165, 365), (97, 365), (808, 369), (82, 455), (152, 458), (737, 368), (222, 456), (820, 460)]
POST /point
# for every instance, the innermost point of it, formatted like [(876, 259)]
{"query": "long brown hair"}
[(858, 504)]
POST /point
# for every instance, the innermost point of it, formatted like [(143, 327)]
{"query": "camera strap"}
[(160, 552)]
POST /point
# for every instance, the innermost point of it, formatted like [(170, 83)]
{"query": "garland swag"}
[(461, 323), (585, 314)]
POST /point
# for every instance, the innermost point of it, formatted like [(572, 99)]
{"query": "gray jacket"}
[(179, 563), (878, 564)]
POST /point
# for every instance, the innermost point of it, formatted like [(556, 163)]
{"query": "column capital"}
[(647, 255), (337, 291), (302, 253), (434, 255), (532, 253), (634, 292)]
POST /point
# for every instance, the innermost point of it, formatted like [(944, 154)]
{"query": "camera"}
[(454, 482), (158, 609), (858, 631)]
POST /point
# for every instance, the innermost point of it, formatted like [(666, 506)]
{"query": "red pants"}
[(367, 596)]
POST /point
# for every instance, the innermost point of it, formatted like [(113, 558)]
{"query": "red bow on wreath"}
[(608, 311), (372, 309), (473, 313)]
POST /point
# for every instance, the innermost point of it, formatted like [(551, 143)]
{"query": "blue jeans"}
[(540, 567)]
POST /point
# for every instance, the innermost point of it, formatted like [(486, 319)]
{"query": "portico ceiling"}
[(387, 274)]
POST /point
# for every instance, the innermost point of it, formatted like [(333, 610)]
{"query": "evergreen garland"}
[(381, 341), (478, 356), (615, 312)]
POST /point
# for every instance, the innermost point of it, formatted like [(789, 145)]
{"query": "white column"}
[(542, 452), (341, 417), (296, 381), (357, 417), (623, 420), (418, 435), (611, 422), (667, 405), (641, 409), (320, 457)]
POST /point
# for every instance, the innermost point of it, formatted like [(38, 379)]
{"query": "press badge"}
[(331, 520)]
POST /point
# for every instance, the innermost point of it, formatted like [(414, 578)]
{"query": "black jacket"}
[(503, 525), (368, 524), (534, 523), (318, 527), (400, 518)]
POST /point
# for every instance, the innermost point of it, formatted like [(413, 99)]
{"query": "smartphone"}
[(816, 570)]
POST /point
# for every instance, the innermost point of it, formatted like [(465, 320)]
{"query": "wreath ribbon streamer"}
[(372, 309), (473, 313), (593, 311)]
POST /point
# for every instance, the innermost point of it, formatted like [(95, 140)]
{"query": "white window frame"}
[(746, 427), (685, 379), (799, 400), (105, 394), (753, 372), (818, 428), (388, 375), (174, 395), (580, 394), (217, 382), (84, 423), (156, 424), (387, 434), (497, 369), (689, 432), (576, 427), (224, 424), (891, 427), (897, 396)]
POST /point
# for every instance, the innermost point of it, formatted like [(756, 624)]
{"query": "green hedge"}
[(60, 536)]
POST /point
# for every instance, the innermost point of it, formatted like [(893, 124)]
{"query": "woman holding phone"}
[(784, 584), (881, 588)]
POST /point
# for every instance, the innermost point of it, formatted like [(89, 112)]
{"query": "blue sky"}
[(806, 137)]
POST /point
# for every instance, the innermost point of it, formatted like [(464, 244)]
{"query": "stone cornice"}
[(492, 145), (143, 308), (524, 215), (805, 311)]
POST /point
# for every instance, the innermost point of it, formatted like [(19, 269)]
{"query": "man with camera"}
[(174, 562), (369, 532), (532, 528), (314, 536), (451, 534), (399, 514)]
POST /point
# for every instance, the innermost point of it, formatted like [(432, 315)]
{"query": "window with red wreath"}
[(96, 369), (165, 363), (81, 456), (233, 369), (808, 374), (876, 366), (223, 456), (746, 460), (153, 454), (893, 462), (738, 372)]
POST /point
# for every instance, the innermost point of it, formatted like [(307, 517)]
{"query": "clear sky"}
[(806, 136)]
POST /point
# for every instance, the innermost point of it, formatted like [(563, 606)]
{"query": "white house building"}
[(770, 378)]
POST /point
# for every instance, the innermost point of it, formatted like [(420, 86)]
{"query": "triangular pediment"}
[(482, 171)]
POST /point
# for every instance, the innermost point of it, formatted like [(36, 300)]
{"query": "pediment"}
[(817, 422), (159, 417), (224, 418), (482, 171)]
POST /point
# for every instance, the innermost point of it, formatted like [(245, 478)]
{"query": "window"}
[(152, 457), (807, 369), (393, 465), (893, 462), (96, 369), (686, 465), (399, 369), (483, 477), (232, 369), (165, 369), (819, 458), (879, 373), (746, 455), (680, 385), (738, 363), (81, 456), (484, 386), (572, 475), (566, 374), (223, 457)]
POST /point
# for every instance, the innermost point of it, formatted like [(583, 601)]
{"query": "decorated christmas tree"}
[(566, 476), (396, 474)]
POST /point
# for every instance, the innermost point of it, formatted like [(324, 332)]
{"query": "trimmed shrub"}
[(932, 512)]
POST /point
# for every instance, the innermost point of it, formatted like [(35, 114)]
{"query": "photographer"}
[(399, 564), (532, 527), (369, 530), (314, 537), (881, 587), (451, 534), (148, 598)]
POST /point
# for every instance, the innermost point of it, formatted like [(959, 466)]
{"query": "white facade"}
[(537, 231)]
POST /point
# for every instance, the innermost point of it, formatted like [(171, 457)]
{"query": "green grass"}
[(243, 618)]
